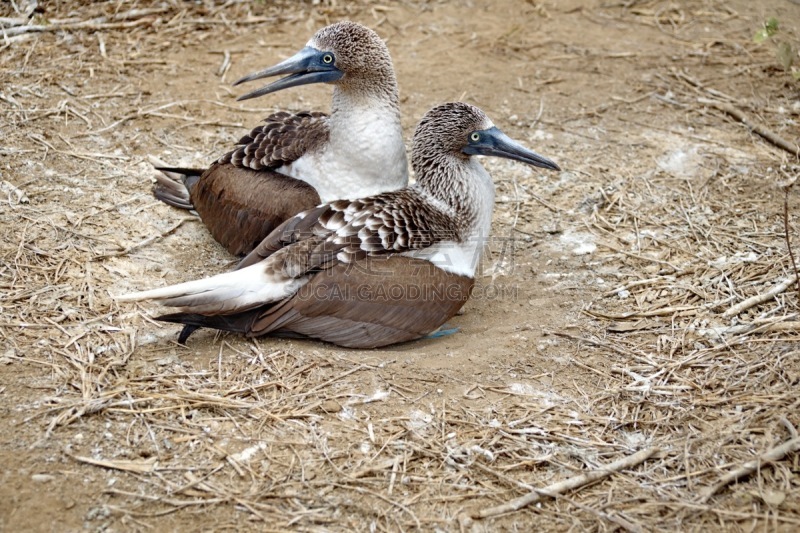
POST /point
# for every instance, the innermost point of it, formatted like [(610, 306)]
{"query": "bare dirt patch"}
[(613, 316)]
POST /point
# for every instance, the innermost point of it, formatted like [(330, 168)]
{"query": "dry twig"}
[(787, 186), (140, 466), (86, 25), (760, 298), (568, 484), (775, 454), (763, 131), (146, 241)]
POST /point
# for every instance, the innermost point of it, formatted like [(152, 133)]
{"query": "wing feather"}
[(389, 223), (392, 299), (283, 138)]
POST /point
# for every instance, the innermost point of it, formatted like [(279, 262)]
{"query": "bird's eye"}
[(474, 136), (327, 59)]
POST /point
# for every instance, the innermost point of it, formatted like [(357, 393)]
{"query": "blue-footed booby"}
[(369, 272), (294, 161)]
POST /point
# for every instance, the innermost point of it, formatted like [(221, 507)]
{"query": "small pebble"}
[(330, 406)]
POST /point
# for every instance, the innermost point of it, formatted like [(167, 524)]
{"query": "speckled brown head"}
[(456, 131), (358, 51), (345, 53)]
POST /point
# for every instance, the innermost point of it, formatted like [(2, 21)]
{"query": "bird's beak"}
[(306, 66), (494, 142)]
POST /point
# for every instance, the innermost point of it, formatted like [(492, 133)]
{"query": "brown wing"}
[(240, 198), (362, 305), (369, 303), (283, 138), (388, 223), (241, 206)]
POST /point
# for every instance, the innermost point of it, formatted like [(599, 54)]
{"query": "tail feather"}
[(181, 171), (226, 293), (174, 185), (218, 300)]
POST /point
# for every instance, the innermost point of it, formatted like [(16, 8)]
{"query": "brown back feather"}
[(241, 206)]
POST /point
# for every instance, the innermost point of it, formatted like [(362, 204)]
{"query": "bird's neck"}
[(377, 90), (464, 188), (464, 191), (353, 104)]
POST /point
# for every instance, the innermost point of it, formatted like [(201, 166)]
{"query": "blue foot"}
[(443, 331)]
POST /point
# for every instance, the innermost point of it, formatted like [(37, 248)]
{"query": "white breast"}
[(364, 156), (462, 258)]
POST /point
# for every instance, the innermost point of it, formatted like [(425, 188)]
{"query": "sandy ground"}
[(605, 321)]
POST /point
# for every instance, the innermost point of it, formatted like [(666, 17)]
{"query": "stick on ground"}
[(775, 454), (786, 233), (567, 484), (759, 298), (765, 132)]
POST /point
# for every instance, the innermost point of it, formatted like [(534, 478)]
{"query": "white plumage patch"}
[(364, 155), (459, 258), (224, 293)]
